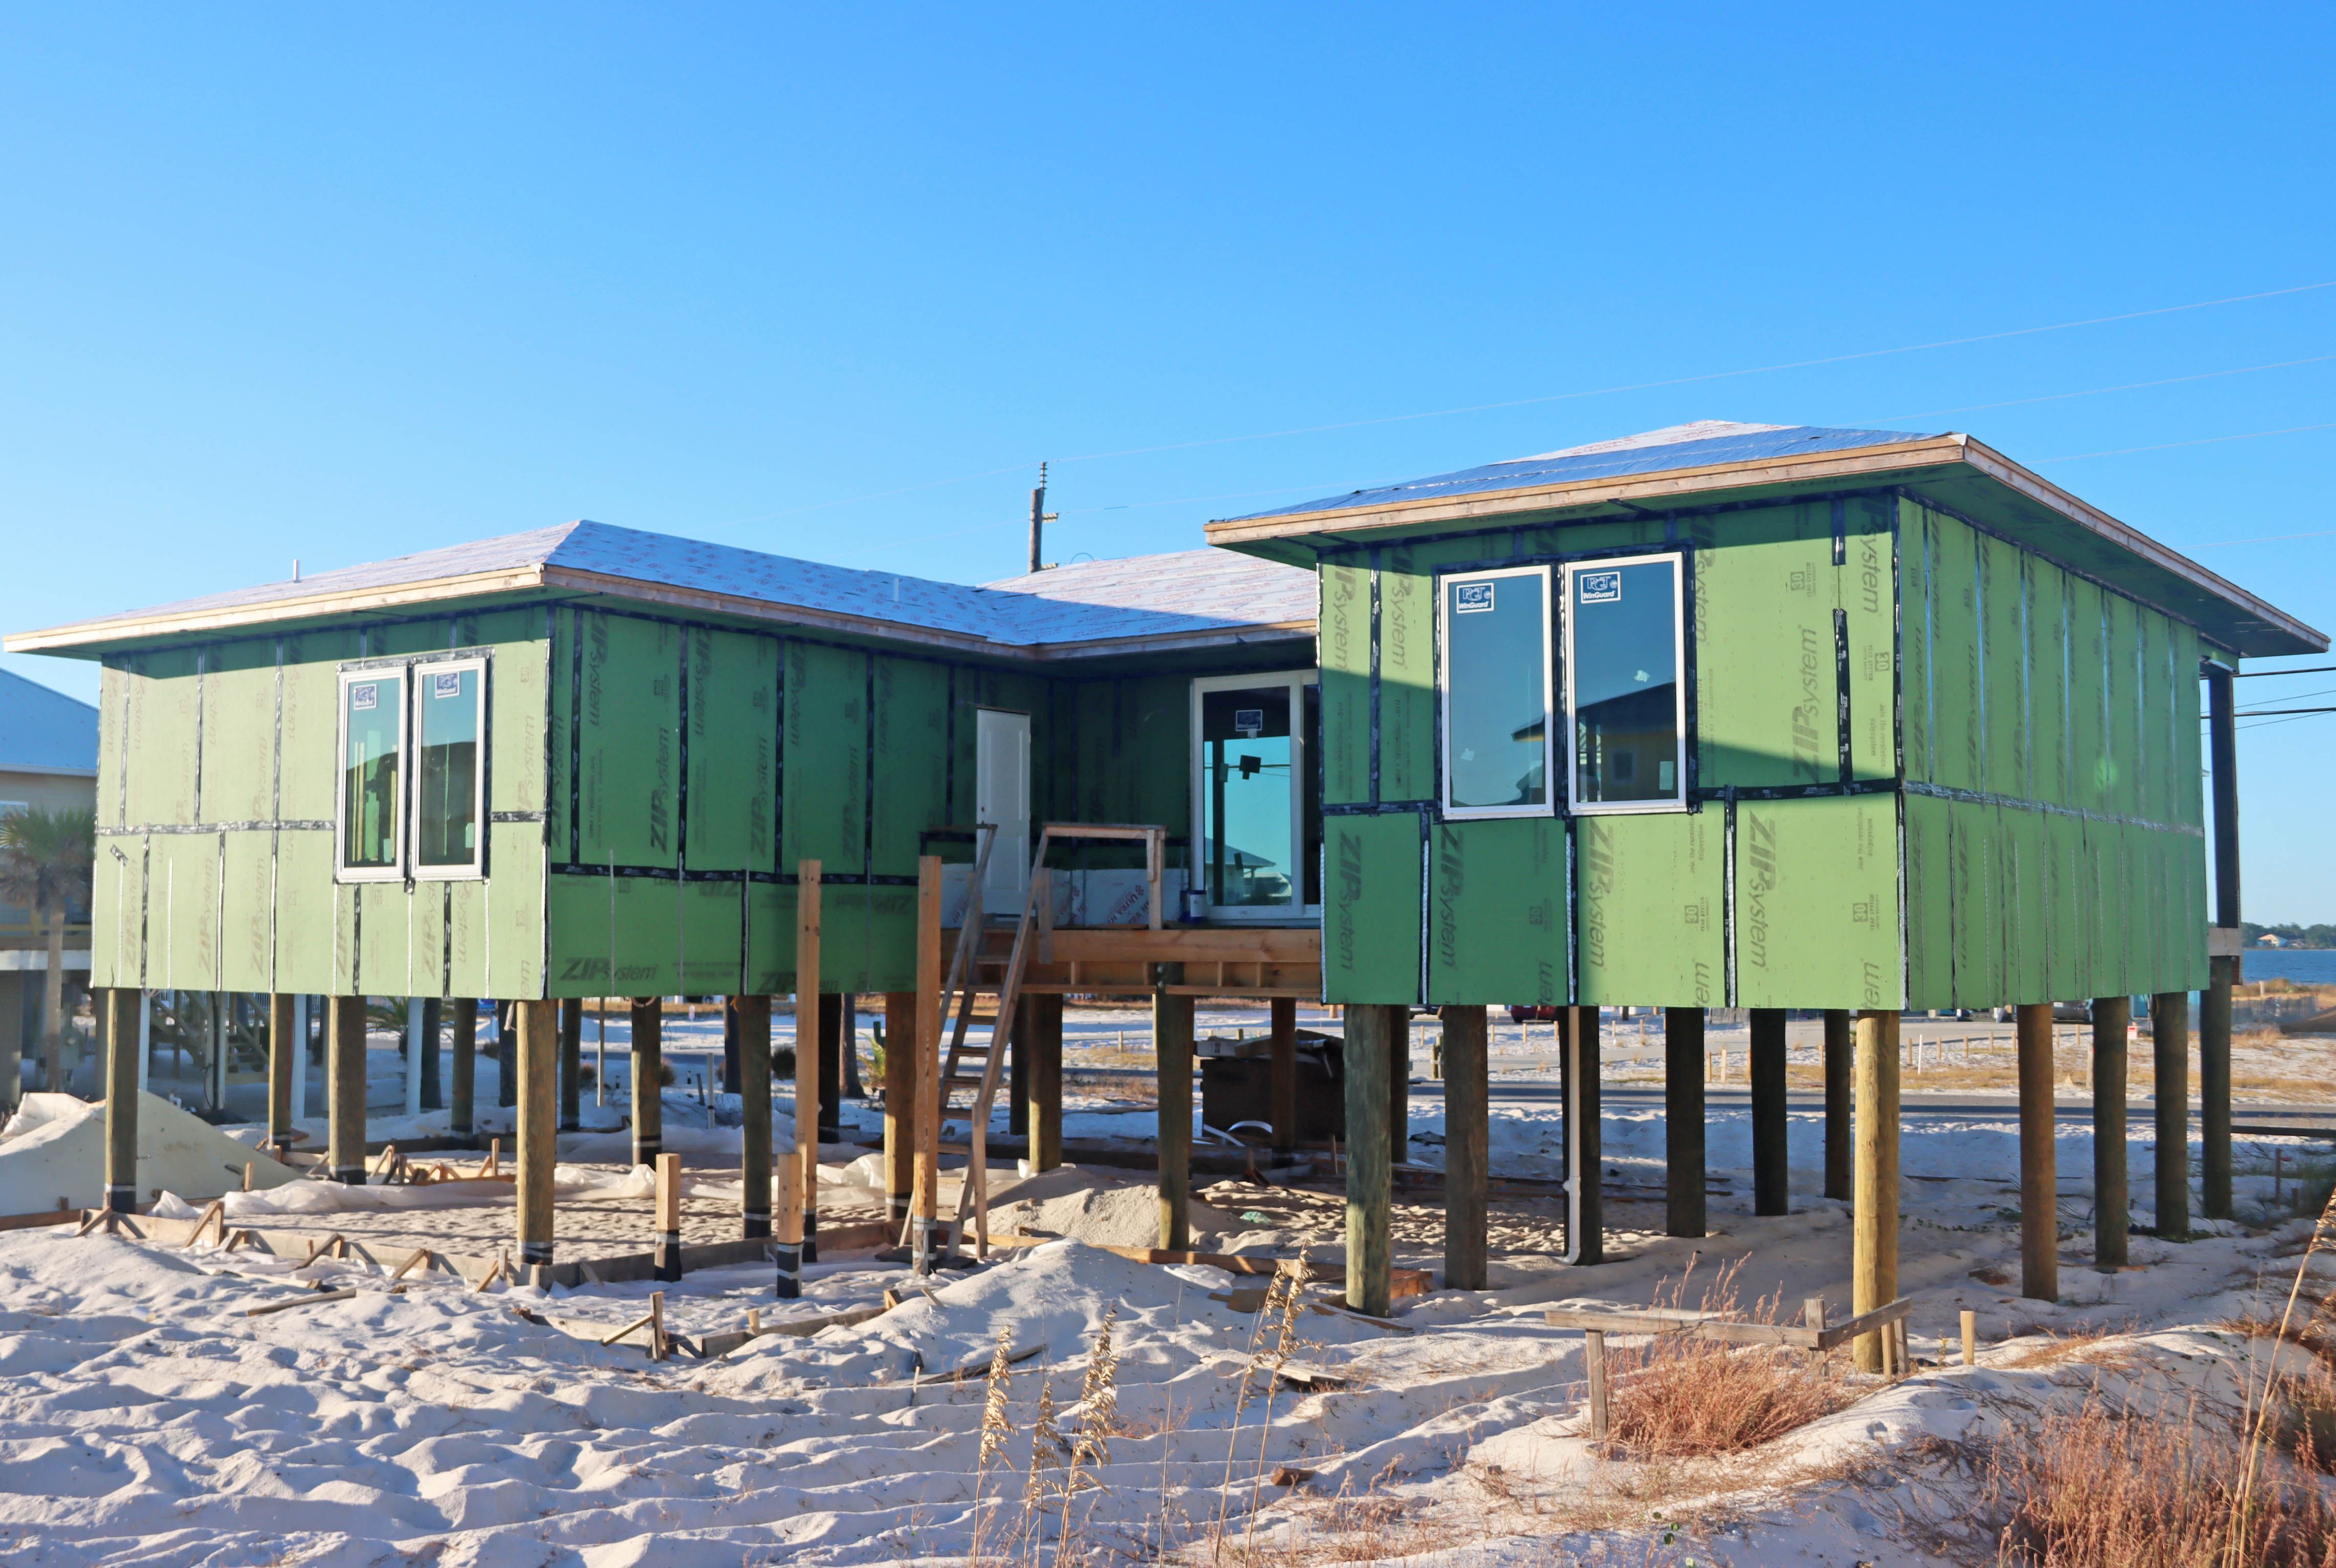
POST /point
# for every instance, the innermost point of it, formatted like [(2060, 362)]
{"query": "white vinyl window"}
[(411, 796), (371, 811), (1625, 691), (1495, 675), (450, 775)]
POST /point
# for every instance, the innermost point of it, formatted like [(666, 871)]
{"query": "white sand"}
[(53, 1152), (145, 1420)]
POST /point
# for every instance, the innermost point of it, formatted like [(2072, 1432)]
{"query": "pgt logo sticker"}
[(446, 685), (1468, 597), (1599, 587), (363, 699)]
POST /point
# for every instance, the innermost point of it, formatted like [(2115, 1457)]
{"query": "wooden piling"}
[(121, 1005), (667, 1252), (900, 1103), (753, 1016), (787, 1243), (1399, 1091), (571, 1064), (648, 1078), (808, 1018), (1683, 1122), (283, 1044), (344, 1090), (1840, 1053), (1373, 1031), (1045, 1079), (433, 1087), (1585, 1197), (507, 1054), (1281, 1073), (2214, 1090), (1018, 1067), (834, 1035), (2112, 1197), (1467, 1150), (2039, 1187), (1172, 1036), (925, 1207), (462, 1097), (1771, 1160), (539, 1123), (2169, 1027), (1873, 1222)]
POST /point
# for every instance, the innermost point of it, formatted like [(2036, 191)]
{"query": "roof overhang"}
[(94, 639), (1959, 473)]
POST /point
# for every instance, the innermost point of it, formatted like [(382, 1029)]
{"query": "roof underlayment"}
[(46, 732)]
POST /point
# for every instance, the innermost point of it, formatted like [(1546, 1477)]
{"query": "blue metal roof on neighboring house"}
[(1702, 444), (44, 731)]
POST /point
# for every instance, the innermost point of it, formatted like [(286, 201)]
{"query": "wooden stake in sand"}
[(1971, 1338), (668, 1216)]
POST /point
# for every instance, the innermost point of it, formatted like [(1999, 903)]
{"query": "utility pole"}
[(1039, 518)]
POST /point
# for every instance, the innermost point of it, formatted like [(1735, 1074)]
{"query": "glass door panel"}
[(1247, 834)]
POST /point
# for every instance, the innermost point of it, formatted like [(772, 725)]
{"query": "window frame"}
[(1682, 796), (1549, 648), (349, 675), (1301, 771), (476, 869)]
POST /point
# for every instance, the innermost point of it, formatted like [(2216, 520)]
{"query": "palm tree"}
[(44, 861)]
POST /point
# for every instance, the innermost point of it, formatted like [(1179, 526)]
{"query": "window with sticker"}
[(1624, 697), (1496, 680), (412, 798)]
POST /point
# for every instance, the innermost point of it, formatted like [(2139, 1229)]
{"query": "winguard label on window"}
[(446, 685), (1469, 597), (1599, 587), (362, 699)]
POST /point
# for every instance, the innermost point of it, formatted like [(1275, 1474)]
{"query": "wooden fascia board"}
[(1636, 490), (1985, 460), (138, 628)]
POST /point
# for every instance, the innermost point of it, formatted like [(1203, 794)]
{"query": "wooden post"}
[(1683, 1123), (927, 1204), (282, 1045), (2169, 1027), (507, 1054), (1874, 1221), (835, 1032), (1281, 1073), (344, 1090), (571, 1064), (900, 1103), (412, 1057), (461, 1099), (2039, 1188), (1399, 1091), (1468, 1152), (810, 1017), (1046, 1079), (1017, 1066), (433, 1090), (2112, 1197), (1839, 1053), (1771, 1160), (787, 1245), (668, 1216), (121, 1005), (538, 1122), (1373, 1031), (1585, 1205), (753, 1015), (1172, 1036), (1971, 1338), (2214, 1090), (648, 1078)]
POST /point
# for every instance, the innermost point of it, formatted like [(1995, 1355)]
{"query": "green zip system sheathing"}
[(653, 783), (1930, 769)]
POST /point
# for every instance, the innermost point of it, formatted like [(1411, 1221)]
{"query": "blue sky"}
[(341, 284)]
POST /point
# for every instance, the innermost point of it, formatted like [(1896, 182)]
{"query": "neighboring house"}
[(48, 761)]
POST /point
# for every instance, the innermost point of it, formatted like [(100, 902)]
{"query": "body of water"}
[(2304, 965)]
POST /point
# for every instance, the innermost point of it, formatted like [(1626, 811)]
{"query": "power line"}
[(2266, 539), (2202, 441), (2096, 391)]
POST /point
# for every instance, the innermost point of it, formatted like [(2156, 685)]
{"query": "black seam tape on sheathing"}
[(784, 878), (1841, 687), (256, 824)]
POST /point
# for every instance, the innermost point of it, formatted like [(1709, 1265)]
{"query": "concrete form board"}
[(1816, 903), (1497, 912), (1651, 912)]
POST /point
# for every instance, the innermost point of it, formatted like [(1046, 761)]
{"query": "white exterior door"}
[(1001, 795)]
